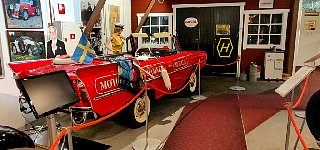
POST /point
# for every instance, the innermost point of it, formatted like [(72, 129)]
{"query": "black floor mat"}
[(83, 144)]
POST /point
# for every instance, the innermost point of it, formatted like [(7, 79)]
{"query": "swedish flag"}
[(84, 52)]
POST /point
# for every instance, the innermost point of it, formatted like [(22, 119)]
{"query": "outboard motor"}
[(12, 138)]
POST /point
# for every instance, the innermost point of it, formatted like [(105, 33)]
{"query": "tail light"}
[(83, 92)]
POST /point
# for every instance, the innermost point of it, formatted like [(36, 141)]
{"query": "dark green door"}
[(217, 33)]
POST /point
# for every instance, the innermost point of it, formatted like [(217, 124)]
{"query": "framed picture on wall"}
[(223, 29), (114, 16), (26, 45), (22, 14), (87, 7)]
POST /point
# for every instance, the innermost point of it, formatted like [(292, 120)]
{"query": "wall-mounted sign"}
[(266, 3), (72, 36), (223, 29), (225, 47), (310, 25), (61, 8), (191, 22)]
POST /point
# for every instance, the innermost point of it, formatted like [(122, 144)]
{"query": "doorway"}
[(218, 32)]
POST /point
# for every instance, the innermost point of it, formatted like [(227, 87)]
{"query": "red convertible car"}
[(97, 84)]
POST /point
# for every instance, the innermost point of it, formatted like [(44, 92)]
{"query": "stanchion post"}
[(147, 143), (70, 144), (302, 114), (199, 87), (237, 87), (199, 96), (289, 86), (147, 118), (289, 123), (52, 130)]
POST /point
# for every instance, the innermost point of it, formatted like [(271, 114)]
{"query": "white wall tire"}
[(140, 110), (193, 83), (137, 112), (190, 86)]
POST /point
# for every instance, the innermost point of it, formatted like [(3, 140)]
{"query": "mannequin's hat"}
[(119, 25)]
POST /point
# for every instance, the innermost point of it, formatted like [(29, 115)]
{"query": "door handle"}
[(215, 40)]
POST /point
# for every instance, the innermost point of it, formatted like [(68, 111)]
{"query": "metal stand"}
[(199, 97), (52, 130), (237, 87), (298, 114), (147, 143), (289, 123), (302, 115), (70, 144)]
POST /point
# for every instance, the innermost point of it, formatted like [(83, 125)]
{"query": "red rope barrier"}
[(302, 93), (305, 147), (73, 128), (56, 142), (287, 106), (238, 58)]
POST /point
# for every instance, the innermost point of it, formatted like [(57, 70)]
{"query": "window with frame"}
[(156, 23), (265, 28)]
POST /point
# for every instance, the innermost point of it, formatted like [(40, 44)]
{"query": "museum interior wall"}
[(309, 37), (9, 104), (10, 112), (248, 55)]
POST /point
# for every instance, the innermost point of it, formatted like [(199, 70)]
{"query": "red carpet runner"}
[(216, 123), (256, 109), (213, 124)]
